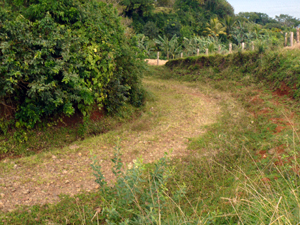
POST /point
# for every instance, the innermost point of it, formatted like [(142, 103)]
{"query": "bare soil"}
[(153, 62), (178, 113), (295, 46)]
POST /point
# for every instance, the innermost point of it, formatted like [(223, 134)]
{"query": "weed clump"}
[(140, 194)]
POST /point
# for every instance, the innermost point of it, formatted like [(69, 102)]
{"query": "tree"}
[(287, 20), (151, 30), (221, 8), (214, 28), (141, 8), (228, 22), (172, 29), (256, 17)]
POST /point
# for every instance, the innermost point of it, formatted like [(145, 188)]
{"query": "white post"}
[(285, 39), (198, 51), (243, 46), (181, 55), (206, 51), (219, 50), (252, 46), (230, 47), (158, 58), (292, 39)]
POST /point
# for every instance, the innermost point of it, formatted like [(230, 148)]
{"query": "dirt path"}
[(153, 62), (295, 46), (178, 113)]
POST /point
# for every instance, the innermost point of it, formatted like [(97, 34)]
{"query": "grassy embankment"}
[(243, 170)]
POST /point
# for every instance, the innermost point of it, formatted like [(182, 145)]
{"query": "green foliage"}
[(140, 194), (151, 30), (228, 23), (255, 17), (214, 28), (186, 32), (62, 56), (60, 133), (259, 190), (193, 14), (287, 20), (137, 8), (144, 44), (271, 67), (172, 28), (282, 21), (202, 43), (165, 3), (223, 181), (219, 7), (168, 47)]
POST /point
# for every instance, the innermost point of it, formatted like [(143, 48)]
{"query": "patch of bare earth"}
[(295, 46), (179, 113), (153, 62)]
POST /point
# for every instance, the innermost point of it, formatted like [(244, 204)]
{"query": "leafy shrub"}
[(65, 55), (151, 30)]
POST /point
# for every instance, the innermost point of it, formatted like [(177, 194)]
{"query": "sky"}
[(270, 7)]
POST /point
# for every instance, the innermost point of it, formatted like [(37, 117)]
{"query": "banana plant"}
[(202, 43), (168, 46), (174, 48), (145, 44)]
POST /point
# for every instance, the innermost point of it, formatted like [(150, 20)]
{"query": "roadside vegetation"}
[(243, 170), (202, 140), (59, 61), (175, 27)]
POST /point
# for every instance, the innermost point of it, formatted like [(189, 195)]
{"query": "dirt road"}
[(177, 112)]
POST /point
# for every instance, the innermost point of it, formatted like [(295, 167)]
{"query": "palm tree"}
[(228, 23), (214, 28)]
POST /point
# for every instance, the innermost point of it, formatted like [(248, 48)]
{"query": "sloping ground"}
[(178, 112)]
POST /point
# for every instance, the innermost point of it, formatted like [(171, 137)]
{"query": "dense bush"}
[(60, 56)]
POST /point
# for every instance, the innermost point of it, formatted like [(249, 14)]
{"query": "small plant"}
[(140, 194)]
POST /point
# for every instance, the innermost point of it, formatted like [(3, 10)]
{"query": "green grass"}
[(231, 176), (235, 165)]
